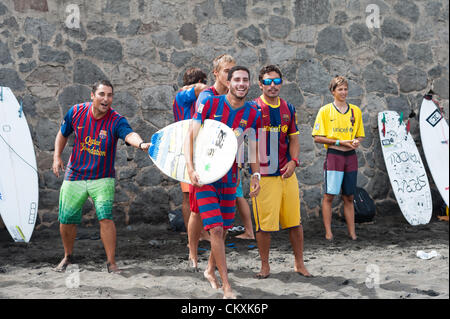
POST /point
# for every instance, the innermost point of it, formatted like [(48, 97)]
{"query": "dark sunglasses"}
[(277, 81)]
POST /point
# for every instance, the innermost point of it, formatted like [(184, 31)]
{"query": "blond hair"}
[(336, 81), (223, 58)]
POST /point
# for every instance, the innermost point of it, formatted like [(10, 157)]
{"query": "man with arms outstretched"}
[(90, 171)]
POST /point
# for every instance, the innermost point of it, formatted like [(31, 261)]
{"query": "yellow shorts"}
[(277, 204)]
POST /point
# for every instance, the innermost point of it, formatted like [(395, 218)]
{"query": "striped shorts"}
[(217, 204), (340, 172)]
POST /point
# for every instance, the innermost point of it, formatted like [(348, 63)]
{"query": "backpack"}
[(364, 206), (176, 221)]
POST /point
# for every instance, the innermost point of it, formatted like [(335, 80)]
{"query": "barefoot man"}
[(90, 171), (339, 127), (216, 201), (278, 202)]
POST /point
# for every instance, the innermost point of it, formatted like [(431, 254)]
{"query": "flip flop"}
[(63, 267), (231, 245), (310, 276)]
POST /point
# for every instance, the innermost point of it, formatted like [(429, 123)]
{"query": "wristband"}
[(337, 143), (140, 144), (258, 175), (297, 162)]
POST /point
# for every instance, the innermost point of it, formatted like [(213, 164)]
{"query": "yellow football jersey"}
[(339, 126)]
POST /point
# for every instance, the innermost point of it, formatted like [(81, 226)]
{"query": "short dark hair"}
[(237, 68), (268, 69), (194, 75), (101, 82)]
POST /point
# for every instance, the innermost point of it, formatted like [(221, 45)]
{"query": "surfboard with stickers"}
[(405, 168), (19, 189), (435, 144), (214, 151)]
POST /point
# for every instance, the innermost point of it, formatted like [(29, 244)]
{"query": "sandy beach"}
[(381, 264)]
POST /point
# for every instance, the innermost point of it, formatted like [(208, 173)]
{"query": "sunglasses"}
[(277, 81)]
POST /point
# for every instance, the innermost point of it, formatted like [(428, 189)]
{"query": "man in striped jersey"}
[(194, 81), (221, 66), (90, 171), (278, 203), (216, 201)]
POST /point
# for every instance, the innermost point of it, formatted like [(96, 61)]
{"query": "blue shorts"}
[(239, 192)]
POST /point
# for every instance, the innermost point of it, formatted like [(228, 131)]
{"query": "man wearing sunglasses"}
[(278, 202)]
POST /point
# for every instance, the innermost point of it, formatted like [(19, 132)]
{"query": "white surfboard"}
[(405, 169), (19, 188), (214, 151), (434, 136)]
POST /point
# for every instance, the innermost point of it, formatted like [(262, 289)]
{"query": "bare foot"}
[(66, 261), (245, 236), (263, 273), (329, 237), (212, 279), (302, 271), (228, 294), (193, 264)]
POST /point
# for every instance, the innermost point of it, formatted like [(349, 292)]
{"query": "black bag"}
[(364, 206), (176, 221)]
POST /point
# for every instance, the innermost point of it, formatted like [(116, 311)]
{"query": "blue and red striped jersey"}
[(184, 104), (204, 95), (241, 120), (278, 122), (95, 143)]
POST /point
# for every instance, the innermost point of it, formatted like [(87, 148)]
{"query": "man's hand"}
[(145, 146), (288, 169), (254, 186), (57, 164), (194, 177)]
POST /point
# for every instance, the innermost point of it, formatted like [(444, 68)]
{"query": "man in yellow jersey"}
[(278, 202), (339, 127)]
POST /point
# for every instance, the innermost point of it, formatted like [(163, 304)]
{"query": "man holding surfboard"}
[(216, 201), (90, 171), (221, 65), (278, 202), (339, 127)]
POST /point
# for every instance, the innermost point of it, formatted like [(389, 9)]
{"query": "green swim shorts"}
[(74, 194)]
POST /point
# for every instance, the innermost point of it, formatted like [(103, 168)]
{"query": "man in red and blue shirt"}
[(194, 81), (221, 66), (90, 171), (278, 203), (216, 201)]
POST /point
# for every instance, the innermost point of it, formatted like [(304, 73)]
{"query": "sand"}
[(381, 264)]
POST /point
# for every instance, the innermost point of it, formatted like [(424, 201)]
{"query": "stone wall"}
[(144, 47)]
